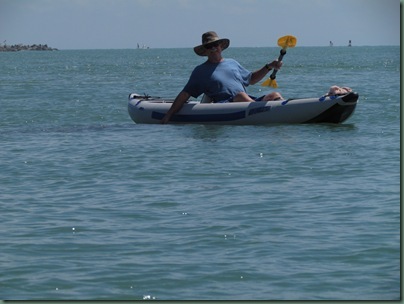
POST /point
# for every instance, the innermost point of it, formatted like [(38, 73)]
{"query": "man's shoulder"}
[(231, 61), (201, 66)]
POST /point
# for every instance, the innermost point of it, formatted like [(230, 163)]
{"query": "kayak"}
[(325, 109)]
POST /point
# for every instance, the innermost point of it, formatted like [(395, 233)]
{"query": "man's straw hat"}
[(210, 38)]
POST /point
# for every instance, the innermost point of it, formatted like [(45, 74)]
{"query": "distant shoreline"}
[(22, 47), (44, 47)]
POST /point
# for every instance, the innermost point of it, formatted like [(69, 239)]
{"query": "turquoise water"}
[(95, 207)]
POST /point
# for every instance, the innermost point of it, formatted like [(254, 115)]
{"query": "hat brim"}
[(201, 50)]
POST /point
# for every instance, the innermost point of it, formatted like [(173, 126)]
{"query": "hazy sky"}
[(102, 24)]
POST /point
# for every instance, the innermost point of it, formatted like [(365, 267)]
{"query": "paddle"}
[(284, 42)]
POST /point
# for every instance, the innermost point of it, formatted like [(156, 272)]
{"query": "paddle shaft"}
[(282, 53)]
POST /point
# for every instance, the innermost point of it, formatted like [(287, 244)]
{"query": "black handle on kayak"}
[(144, 96)]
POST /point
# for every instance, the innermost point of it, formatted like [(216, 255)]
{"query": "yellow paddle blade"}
[(287, 41), (266, 83), (273, 83), (270, 83)]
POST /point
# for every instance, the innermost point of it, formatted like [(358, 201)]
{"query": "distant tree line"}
[(21, 47)]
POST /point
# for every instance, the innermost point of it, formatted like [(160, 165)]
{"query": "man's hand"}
[(276, 65)]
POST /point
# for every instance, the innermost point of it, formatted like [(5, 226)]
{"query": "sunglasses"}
[(212, 45)]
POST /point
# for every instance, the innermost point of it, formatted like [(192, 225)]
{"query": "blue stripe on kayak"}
[(202, 117)]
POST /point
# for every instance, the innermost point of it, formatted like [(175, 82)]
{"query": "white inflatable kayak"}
[(326, 109)]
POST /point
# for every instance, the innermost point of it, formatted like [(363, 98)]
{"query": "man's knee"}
[(273, 96), (242, 96)]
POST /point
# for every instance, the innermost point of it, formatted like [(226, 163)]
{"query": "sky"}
[(122, 24)]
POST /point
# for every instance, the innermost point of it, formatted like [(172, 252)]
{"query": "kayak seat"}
[(206, 99)]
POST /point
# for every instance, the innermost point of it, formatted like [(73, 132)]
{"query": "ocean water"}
[(96, 207)]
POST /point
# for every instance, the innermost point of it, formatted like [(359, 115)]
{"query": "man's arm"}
[(176, 106), (259, 74)]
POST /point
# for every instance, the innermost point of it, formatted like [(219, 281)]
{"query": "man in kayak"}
[(222, 80)]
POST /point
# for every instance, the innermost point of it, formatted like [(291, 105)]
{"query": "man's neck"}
[(215, 59)]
